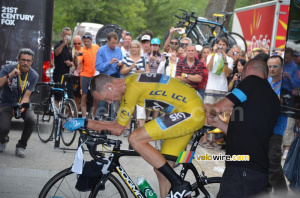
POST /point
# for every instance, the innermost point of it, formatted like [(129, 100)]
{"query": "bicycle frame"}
[(116, 154)]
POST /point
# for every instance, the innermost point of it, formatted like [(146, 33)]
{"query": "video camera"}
[(17, 108)]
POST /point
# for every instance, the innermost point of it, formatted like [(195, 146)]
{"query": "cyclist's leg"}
[(171, 147), (170, 126), (164, 184)]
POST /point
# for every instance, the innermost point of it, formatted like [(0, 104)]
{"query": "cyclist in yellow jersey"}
[(184, 115)]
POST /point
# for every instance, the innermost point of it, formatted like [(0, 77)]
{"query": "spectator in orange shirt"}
[(88, 69)]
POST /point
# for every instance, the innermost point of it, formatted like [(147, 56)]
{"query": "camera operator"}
[(237, 76), (168, 65), (17, 82)]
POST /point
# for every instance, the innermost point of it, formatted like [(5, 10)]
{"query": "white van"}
[(93, 28)]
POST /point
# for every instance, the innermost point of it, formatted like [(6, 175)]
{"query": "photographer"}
[(237, 76), (17, 83), (168, 65)]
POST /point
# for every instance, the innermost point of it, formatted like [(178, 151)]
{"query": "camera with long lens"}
[(17, 108)]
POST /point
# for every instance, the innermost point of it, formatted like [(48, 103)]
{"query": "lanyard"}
[(22, 85)]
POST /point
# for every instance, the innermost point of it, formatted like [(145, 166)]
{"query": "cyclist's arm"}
[(114, 127)]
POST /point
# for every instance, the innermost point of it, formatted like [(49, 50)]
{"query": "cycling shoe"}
[(183, 190)]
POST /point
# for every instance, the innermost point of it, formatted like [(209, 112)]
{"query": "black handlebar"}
[(93, 140)]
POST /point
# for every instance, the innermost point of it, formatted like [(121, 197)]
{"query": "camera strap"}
[(22, 85)]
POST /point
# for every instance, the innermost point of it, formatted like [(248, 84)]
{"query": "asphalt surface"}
[(25, 177)]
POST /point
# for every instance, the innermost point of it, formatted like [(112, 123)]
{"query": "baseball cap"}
[(146, 38), (155, 41)]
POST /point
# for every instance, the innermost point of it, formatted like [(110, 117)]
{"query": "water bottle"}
[(146, 188)]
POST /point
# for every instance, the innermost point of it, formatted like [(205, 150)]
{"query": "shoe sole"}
[(20, 156)]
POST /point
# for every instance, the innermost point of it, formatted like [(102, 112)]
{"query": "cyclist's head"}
[(101, 88), (112, 40)]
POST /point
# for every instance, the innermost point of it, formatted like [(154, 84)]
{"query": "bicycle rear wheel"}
[(63, 185), (45, 124), (240, 41), (68, 110)]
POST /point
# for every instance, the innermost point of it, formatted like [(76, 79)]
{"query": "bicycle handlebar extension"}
[(93, 140)]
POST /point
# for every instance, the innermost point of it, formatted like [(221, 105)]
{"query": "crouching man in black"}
[(17, 82)]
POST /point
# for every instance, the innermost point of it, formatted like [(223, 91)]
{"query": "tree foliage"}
[(133, 15)]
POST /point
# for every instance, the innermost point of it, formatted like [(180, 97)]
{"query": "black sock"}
[(170, 174)]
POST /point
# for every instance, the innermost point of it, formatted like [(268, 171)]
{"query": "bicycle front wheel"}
[(68, 110), (63, 185), (45, 124)]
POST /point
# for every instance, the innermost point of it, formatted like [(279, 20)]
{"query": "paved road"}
[(24, 178)]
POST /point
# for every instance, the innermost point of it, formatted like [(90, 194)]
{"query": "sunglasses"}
[(174, 43), (76, 43), (87, 36), (127, 33), (183, 44), (234, 53), (274, 66), (25, 60)]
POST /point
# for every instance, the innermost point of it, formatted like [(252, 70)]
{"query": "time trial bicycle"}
[(108, 185)]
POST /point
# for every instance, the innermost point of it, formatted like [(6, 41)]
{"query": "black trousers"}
[(6, 113), (276, 175), (240, 182)]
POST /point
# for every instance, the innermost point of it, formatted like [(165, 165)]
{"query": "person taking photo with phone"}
[(155, 56)]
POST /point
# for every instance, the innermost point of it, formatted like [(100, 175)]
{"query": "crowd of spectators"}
[(212, 71)]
